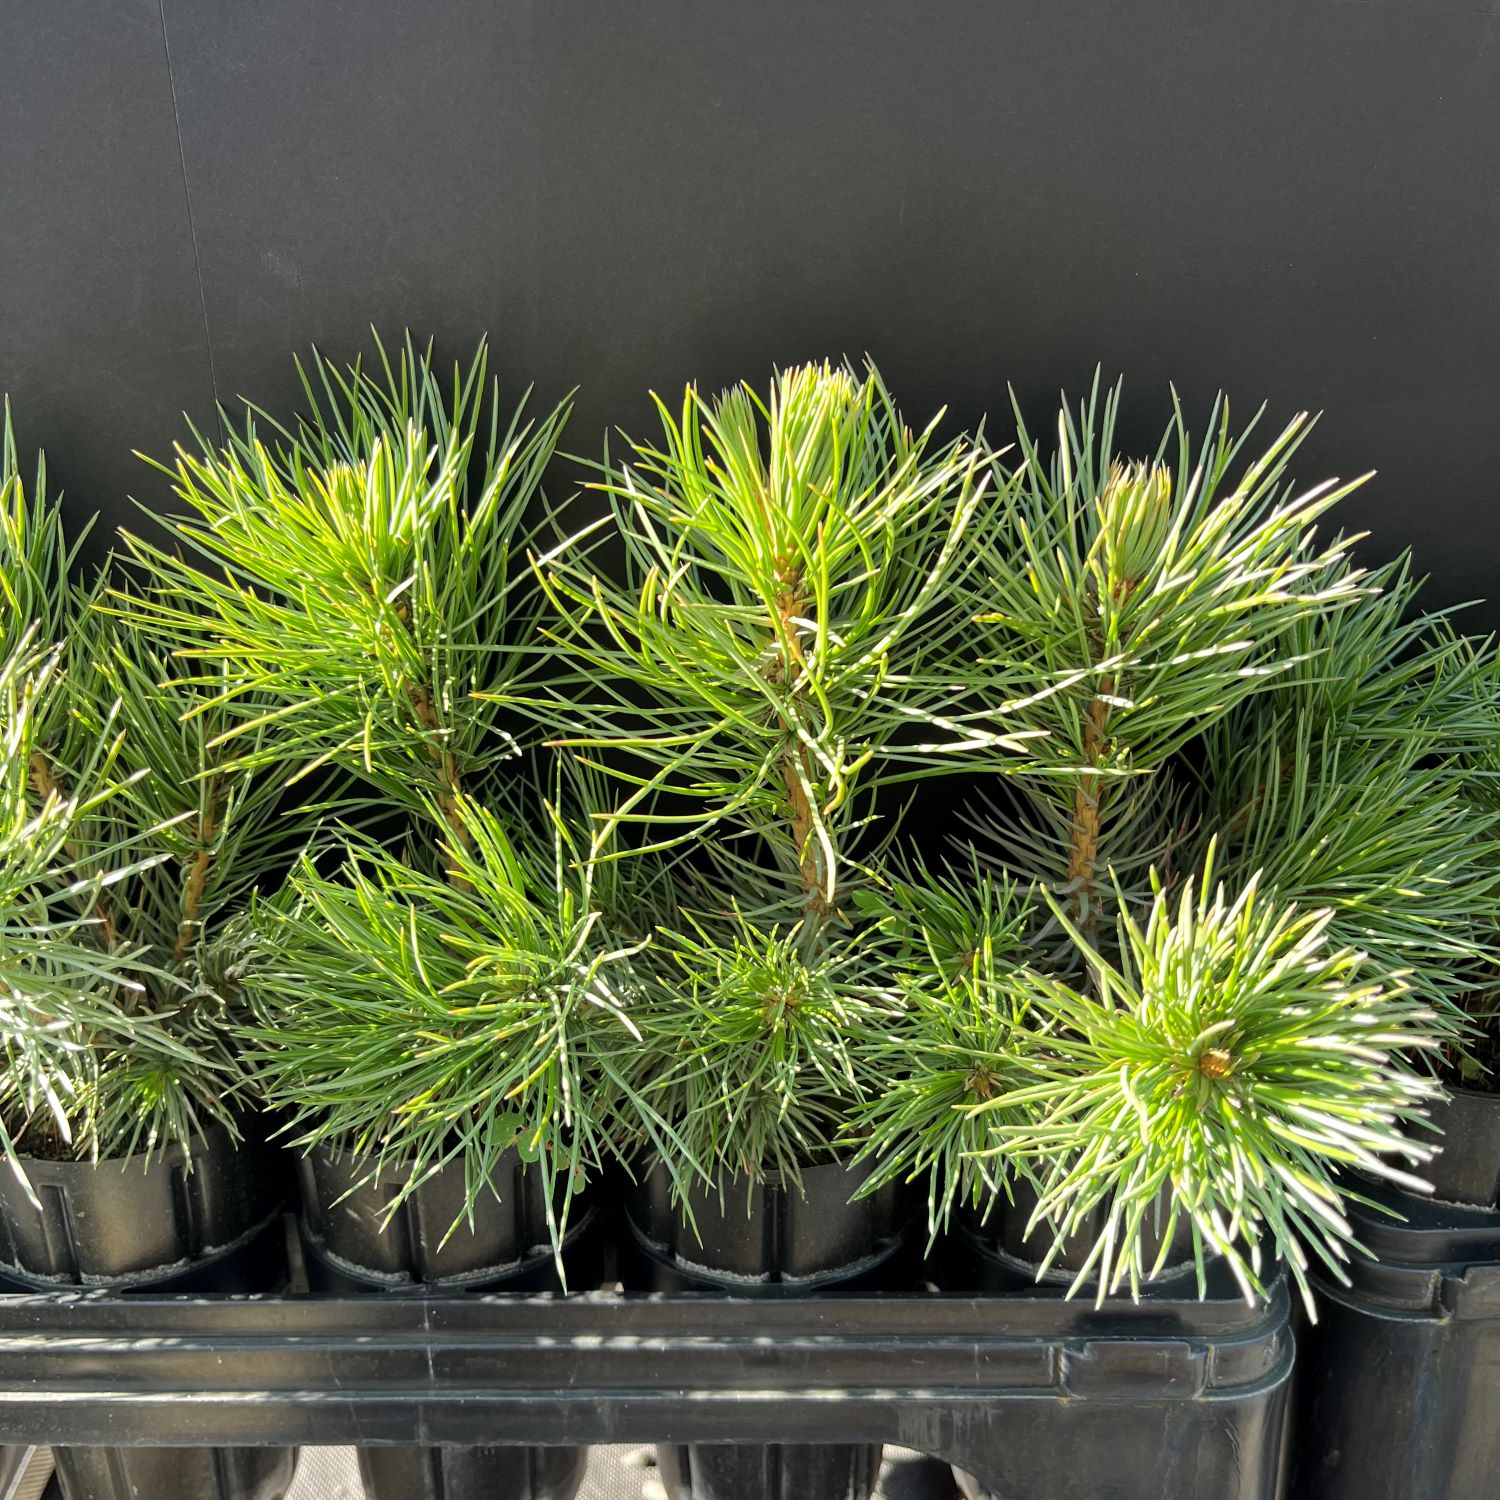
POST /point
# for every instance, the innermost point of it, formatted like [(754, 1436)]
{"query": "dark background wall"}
[(1297, 200)]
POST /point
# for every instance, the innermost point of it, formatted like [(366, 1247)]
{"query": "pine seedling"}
[(1215, 697), (773, 647), (752, 1037), (220, 825), (1352, 785), (35, 551), (163, 841), (1126, 608), (354, 594), (1474, 1058), (779, 649), (962, 1030), (1236, 1061), (65, 1001), (364, 574), (425, 1020)]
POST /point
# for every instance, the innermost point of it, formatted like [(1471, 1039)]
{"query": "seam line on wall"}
[(187, 198)]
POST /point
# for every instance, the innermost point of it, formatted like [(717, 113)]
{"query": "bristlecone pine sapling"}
[(777, 648), (357, 587)]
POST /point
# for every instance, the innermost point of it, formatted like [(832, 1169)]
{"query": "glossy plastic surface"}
[(353, 1241), (472, 1473), (1467, 1169), (1175, 1399), (207, 1221), (1001, 1248), (175, 1473), (771, 1237), (148, 1221), (1399, 1382)]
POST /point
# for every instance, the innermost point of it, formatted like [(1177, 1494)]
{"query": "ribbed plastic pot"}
[(164, 1473), (768, 1238), (1467, 1169), (472, 1473), (205, 1220), (353, 1242), (994, 1252), (1399, 1379)]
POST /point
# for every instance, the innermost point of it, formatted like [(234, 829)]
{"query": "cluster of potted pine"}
[(840, 809), (1183, 973)]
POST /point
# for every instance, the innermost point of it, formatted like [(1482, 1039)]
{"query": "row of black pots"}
[(772, 1240), (215, 1225), (214, 1222), (218, 1227)]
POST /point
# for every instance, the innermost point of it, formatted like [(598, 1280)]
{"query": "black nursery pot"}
[(1399, 1379), (1467, 1169), (994, 1253), (208, 1221), (769, 1239), (204, 1220), (352, 1243)]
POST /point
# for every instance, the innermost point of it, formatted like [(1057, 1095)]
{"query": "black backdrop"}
[(1297, 200)]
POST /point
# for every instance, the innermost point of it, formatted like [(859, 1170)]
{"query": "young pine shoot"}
[(1123, 609), (359, 581), (774, 645), (1235, 1060)]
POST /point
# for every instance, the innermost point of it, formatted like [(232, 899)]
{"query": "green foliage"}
[(428, 1020), (138, 840), (1345, 786), (751, 1036), (1126, 608), (353, 595), (217, 826), (80, 1001), (34, 550), (777, 639), (1218, 703), (57, 990), (1475, 1058), (1228, 895), (360, 582), (779, 646), (965, 1030), (1236, 1058)]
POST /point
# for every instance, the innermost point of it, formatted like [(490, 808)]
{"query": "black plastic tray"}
[(1033, 1395)]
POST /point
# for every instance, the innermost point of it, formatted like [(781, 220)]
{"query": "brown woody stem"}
[(197, 881), (45, 782), (445, 767), (1083, 836), (796, 762)]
